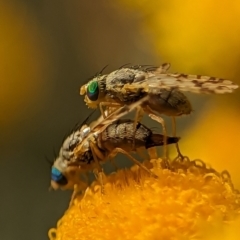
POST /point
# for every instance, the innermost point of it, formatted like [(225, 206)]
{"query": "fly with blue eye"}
[(95, 144), (65, 169)]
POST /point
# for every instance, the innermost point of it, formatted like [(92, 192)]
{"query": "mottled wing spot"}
[(191, 83)]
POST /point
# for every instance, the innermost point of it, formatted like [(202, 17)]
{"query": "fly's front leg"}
[(165, 147), (120, 150), (78, 188), (97, 154), (108, 105)]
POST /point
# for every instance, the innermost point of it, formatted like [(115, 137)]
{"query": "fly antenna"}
[(124, 65), (103, 69)]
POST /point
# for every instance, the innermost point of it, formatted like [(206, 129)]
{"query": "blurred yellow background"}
[(50, 48), (22, 63)]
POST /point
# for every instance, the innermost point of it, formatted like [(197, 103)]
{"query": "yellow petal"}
[(189, 202)]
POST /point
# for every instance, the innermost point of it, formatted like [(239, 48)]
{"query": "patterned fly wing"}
[(183, 82)]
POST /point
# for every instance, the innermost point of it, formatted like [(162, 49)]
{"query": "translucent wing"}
[(101, 124), (188, 83)]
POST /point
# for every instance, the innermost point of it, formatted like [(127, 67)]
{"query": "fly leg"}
[(138, 117), (108, 105), (165, 147), (174, 135), (179, 156), (160, 120), (120, 150), (78, 188), (97, 156)]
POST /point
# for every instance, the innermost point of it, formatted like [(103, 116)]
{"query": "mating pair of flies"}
[(143, 89)]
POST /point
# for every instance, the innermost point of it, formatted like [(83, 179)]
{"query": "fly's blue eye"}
[(58, 177), (93, 90)]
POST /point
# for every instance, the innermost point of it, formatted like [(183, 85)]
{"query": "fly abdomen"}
[(121, 135), (170, 103), (158, 140)]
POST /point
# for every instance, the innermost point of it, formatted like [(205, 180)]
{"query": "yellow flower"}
[(191, 201)]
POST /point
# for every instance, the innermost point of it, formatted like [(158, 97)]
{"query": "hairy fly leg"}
[(165, 147), (108, 106), (98, 171), (120, 150)]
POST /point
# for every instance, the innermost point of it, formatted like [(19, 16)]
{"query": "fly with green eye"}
[(164, 92)]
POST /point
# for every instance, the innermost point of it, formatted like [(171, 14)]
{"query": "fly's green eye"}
[(93, 90)]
